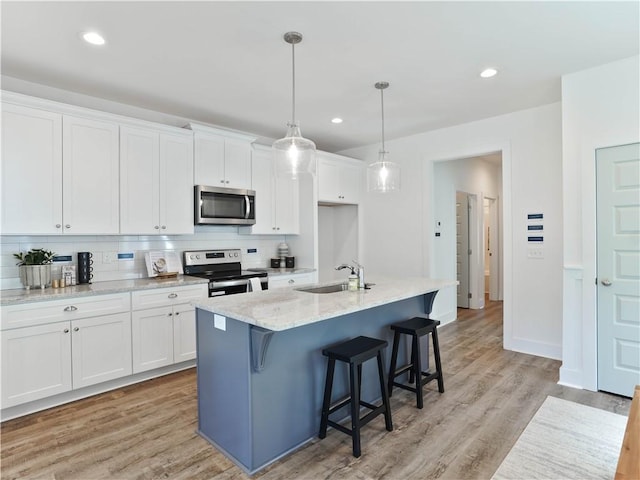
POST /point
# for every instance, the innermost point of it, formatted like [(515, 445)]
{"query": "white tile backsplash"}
[(204, 238)]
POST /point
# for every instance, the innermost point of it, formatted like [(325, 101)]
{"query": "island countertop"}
[(286, 308)]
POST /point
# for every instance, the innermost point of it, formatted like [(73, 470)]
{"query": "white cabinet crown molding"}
[(68, 109), (196, 127)]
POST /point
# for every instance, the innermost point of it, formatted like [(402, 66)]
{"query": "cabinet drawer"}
[(295, 280), (164, 297), (39, 313)]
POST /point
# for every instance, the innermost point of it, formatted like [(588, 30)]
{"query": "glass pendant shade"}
[(383, 176), (294, 155)]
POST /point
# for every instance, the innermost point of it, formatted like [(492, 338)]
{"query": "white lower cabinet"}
[(40, 360), (293, 280), (100, 349), (163, 328), (36, 363)]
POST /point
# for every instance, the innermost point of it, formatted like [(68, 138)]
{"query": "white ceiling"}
[(226, 62)]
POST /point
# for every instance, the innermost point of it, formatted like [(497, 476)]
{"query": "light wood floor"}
[(148, 430)]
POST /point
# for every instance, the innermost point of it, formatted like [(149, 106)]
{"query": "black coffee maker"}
[(85, 268)]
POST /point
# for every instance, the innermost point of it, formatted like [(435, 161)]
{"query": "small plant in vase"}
[(35, 267)]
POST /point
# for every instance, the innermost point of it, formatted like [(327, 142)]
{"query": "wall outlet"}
[(109, 257), (535, 252)]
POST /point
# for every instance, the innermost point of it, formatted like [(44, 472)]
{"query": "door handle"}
[(606, 282)]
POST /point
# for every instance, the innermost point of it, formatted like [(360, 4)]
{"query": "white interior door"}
[(618, 268), (462, 248)]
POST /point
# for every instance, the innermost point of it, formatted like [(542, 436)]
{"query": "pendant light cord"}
[(293, 83), (382, 108)]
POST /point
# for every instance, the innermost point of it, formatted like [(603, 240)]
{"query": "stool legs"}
[(382, 374), (394, 361), (326, 402), (416, 371), (354, 380), (436, 354)]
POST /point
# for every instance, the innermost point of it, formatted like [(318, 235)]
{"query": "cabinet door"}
[(36, 363), (328, 181), (31, 171), (263, 183), (176, 184), (350, 183), (286, 206), (152, 338), (209, 160), (139, 186), (237, 163), (184, 333), (101, 349), (90, 195)]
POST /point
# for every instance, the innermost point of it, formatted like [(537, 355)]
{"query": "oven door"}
[(228, 287)]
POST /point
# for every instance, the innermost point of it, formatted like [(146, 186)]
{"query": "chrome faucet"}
[(357, 270), (344, 265)]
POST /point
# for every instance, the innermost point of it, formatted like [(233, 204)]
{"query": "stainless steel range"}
[(223, 269)]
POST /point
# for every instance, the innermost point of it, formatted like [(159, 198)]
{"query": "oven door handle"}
[(229, 283)]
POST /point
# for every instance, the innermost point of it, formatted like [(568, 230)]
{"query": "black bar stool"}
[(355, 352), (416, 327)]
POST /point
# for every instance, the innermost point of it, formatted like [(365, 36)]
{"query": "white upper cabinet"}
[(277, 199), (156, 181), (59, 173), (31, 171), (90, 173), (221, 159), (339, 179)]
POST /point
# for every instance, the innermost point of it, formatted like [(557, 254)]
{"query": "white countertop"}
[(285, 308), (21, 295)]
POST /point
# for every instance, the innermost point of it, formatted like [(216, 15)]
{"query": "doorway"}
[(491, 256), (463, 249)]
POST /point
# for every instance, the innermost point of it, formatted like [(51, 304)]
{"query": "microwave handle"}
[(247, 206)]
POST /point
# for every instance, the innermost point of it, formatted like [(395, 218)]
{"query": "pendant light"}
[(383, 176), (294, 155)]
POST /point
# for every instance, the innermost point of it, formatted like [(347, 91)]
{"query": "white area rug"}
[(566, 440)]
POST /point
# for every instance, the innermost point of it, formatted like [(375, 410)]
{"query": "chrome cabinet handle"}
[(169, 314), (76, 329), (70, 308), (173, 295), (157, 227), (67, 226), (164, 227), (606, 282), (66, 330), (221, 181), (291, 280), (177, 313), (58, 225)]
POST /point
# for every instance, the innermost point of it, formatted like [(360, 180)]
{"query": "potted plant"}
[(35, 267)]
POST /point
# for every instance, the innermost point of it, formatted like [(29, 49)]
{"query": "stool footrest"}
[(375, 411)]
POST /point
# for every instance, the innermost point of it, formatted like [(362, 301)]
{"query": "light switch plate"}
[(535, 252)]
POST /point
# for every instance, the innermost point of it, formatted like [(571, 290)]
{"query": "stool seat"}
[(416, 327), (355, 352)]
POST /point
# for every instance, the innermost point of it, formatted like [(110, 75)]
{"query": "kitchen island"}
[(260, 364)]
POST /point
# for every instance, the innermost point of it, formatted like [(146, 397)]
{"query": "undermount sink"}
[(325, 289)]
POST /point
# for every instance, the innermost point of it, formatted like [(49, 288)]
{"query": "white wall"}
[(600, 108), (398, 229), (337, 240), (479, 178)]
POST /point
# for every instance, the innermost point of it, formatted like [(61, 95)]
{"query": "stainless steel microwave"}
[(224, 206)]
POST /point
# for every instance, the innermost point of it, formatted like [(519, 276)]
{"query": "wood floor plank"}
[(147, 431)]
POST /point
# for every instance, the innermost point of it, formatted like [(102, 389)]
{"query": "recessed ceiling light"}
[(336, 120), (488, 73), (93, 38)]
